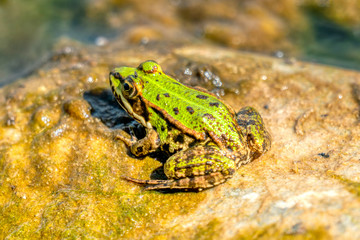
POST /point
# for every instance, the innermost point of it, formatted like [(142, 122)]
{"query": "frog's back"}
[(198, 111)]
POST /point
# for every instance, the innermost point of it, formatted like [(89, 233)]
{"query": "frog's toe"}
[(144, 182), (151, 184), (128, 140), (198, 183)]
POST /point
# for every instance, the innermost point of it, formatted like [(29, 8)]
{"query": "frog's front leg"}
[(195, 168), (143, 146), (253, 129)]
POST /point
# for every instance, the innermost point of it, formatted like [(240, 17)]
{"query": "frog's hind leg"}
[(197, 183), (196, 168), (253, 128), (199, 168)]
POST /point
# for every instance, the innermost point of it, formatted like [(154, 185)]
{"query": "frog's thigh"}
[(195, 168), (252, 126), (199, 161)]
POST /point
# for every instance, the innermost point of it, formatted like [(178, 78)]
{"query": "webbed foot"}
[(198, 183)]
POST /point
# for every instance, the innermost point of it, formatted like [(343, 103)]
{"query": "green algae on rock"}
[(61, 167)]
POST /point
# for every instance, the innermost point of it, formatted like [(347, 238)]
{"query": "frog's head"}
[(127, 85)]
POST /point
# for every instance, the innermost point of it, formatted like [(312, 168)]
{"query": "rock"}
[(78, 108), (62, 178)]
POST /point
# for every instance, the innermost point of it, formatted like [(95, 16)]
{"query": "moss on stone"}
[(352, 186)]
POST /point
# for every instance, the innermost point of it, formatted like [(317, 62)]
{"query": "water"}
[(331, 43), (29, 30)]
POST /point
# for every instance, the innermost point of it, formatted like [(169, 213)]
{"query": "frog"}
[(205, 139)]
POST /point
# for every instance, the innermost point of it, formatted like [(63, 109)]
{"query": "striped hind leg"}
[(196, 168), (253, 129)]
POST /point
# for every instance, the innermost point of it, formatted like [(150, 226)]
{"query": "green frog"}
[(206, 140)]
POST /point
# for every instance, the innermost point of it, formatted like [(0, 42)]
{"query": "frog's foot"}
[(145, 182), (195, 183), (143, 146), (127, 139)]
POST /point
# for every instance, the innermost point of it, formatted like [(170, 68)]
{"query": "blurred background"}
[(322, 31)]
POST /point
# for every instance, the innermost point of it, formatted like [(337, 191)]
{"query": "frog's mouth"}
[(124, 103)]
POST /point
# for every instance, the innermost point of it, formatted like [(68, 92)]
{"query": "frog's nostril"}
[(116, 75), (112, 74)]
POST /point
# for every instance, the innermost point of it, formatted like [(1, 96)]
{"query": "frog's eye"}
[(150, 66), (128, 89)]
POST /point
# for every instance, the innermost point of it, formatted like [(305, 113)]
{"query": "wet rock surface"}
[(61, 167)]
